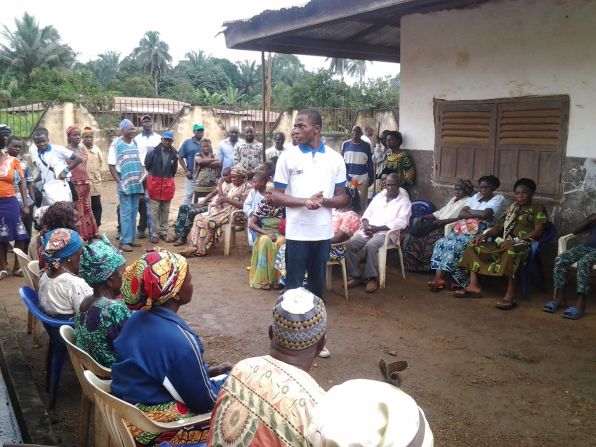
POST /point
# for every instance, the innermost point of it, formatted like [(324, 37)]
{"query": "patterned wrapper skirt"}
[(11, 223)]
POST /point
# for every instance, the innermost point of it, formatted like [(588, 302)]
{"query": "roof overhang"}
[(352, 29)]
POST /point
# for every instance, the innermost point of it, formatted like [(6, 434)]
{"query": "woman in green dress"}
[(513, 234), (101, 316)]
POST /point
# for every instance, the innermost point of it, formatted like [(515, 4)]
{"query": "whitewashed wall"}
[(500, 49)]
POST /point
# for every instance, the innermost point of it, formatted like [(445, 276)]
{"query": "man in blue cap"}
[(161, 164), (187, 153)]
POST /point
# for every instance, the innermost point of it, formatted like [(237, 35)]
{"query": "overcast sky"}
[(91, 28)]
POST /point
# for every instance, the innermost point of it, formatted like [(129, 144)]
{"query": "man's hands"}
[(222, 368), (315, 202), (188, 174)]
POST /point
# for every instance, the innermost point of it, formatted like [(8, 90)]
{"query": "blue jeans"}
[(129, 207), (307, 257)]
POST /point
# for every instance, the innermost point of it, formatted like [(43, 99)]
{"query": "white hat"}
[(367, 413)]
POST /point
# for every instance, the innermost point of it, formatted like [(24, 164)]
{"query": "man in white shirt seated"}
[(389, 210)]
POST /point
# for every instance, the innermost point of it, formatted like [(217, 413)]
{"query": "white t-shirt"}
[(303, 173), (146, 143), (55, 157), (62, 295)]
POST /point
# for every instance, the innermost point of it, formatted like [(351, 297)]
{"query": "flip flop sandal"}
[(18, 272), (391, 371), (505, 305), (551, 307), (572, 313), (3, 274), (455, 287), (465, 294), (437, 289)]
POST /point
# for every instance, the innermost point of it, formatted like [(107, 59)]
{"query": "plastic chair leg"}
[(84, 421), (227, 229), (49, 356), (58, 360), (328, 278), (344, 273), (401, 262), (382, 267), (30, 320)]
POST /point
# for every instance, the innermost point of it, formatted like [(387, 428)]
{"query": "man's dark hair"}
[(13, 138), (40, 131), (397, 135), (278, 134), (260, 177), (313, 116)]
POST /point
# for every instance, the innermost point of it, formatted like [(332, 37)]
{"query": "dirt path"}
[(484, 377)]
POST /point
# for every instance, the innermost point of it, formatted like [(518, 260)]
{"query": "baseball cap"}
[(168, 134), (198, 127)]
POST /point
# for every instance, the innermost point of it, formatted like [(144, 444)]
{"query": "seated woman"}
[(206, 228), (345, 222), (187, 213), (514, 233), (61, 290), (101, 316), (265, 222), (58, 215), (585, 256), (474, 219), (419, 240), (160, 366)]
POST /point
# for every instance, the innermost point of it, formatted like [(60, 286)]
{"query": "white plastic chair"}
[(82, 361), (562, 247), (229, 232), (389, 245), (329, 279), (33, 282), (116, 411)]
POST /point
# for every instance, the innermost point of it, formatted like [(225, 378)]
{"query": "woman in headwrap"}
[(265, 222), (160, 366), (399, 160), (58, 215), (428, 229), (101, 316), (61, 290), (82, 184), (206, 228), (345, 222), (514, 232)]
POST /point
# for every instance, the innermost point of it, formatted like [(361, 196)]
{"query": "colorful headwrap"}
[(351, 189), (466, 186), (99, 260), (269, 187), (72, 129), (87, 130), (59, 244), (153, 279), (125, 123), (299, 319), (240, 171)]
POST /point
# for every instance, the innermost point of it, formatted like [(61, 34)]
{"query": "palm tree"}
[(249, 75), (197, 59), (338, 66), (351, 67), (30, 46), (358, 68), (153, 55), (106, 67)]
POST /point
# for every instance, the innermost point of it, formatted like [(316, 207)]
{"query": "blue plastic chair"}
[(534, 259), (420, 208), (57, 353)]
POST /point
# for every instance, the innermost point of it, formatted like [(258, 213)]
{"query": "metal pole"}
[(263, 100)]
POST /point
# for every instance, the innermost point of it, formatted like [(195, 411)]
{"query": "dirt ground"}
[(484, 377)]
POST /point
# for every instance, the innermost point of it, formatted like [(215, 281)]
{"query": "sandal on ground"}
[(178, 242), (155, 240), (551, 307), (434, 287), (3, 274), (353, 282), (463, 293), (454, 287), (18, 272), (391, 371), (506, 305), (571, 313)]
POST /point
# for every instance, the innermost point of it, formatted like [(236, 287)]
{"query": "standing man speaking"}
[(309, 181)]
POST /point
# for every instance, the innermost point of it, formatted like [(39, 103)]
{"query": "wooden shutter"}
[(464, 140), (531, 138)]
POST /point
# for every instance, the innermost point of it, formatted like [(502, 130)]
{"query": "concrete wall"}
[(504, 49), (500, 49)]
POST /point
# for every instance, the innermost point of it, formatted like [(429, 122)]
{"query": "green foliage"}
[(22, 124)]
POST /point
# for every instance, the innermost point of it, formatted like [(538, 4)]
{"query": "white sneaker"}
[(325, 354)]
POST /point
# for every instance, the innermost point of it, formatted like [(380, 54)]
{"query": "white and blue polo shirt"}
[(303, 173)]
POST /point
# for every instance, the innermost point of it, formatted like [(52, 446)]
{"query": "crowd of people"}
[(302, 204)]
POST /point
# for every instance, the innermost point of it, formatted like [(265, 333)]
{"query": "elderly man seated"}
[(269, 400), (389, 210)]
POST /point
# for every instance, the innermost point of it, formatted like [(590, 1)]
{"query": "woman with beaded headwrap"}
[(206, 228), (82, 184), (61, 290), (160, 367), (428, 229), (101, 316)]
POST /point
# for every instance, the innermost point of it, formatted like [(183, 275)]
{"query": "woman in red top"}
[(11, 223), (82, 184)]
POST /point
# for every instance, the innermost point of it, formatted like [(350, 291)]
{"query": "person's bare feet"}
[(353, 282), (189, 252), (371, 285), (125, 247)]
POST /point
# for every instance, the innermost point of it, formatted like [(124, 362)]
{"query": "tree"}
[(352, 67), (249, 76), (30, 46), (338, 66), (106, 67), (153, 55), (197, 59), (285, 68)]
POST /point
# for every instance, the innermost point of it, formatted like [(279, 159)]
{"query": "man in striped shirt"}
[(359, 164)]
